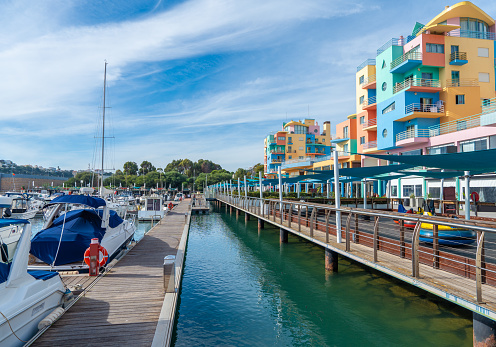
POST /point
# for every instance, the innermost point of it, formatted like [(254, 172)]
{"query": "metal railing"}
[(405, 57), (369, 123), (392, 42), (371, 234), (469, 122), (369, 79), (417, 107), (462, 82), (472, 34), (458, 56), (365, 63), (410, 134), (370, 145), (368, 102), (416, 82)]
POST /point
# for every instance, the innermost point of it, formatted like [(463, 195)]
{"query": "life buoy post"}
[(94, 255)]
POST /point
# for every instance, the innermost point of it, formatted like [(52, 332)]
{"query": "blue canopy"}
[(4, 271), (79, 199), (6, 221), (80, 227), (114, 219)]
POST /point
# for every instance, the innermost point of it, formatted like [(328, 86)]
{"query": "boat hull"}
[(458, 237)]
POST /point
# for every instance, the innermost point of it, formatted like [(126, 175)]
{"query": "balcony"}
[(458, 58), (371, 124), (418, 85), (486, 118), (417, 110), (472, 34), (406, 62), (369, 104), (369, 82), (277, 151), (392, 42), (412, 137), (336, 139), (365, 63), (369, 146), (462, 82)]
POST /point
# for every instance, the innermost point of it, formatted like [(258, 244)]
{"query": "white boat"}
[(152, 209), (21, 207), (26, 298), (71, 224)]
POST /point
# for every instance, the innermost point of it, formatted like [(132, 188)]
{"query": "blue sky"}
[(187, 79)]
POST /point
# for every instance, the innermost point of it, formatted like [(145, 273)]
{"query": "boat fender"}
[(51, 318), (102, 258)]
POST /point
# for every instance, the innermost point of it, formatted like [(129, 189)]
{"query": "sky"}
[(197, 79)]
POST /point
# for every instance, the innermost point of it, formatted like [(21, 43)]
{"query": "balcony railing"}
[(365, 63), (369, 123), (392, 42), (410, 134), (370, 145), (417, 107), (462, 82), (472, 34), (369, 101), (277, 151), (469, 122), (405, 57), (458, 56), (369, 79), (416, 82)]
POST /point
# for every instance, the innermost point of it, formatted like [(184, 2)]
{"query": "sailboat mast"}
[(103, 124)]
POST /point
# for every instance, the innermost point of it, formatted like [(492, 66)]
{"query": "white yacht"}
[(21, 207), (152, 209)]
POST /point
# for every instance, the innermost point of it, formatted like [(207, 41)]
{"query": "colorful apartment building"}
[(299, 142)]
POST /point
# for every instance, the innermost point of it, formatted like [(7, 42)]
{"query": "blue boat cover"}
[(42, 275), (80, 227), (6, 221), (90, 201), (114, 219), (4, 271)]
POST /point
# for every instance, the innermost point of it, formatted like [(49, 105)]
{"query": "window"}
[(281, 138), (301, 148), (315, 130), (300, 157), (414, 152), (483, 52), (360, 101), (309, 150), (362, 119), (383, 64), (300, 129), (345, 132), (362, 140), (289, 149), (384, 133), (474, 145), (408, 190), (388, 109), (323, 140), (384, 86), (474, 28), (461, 125), (460, 99), (483, 77), (486, 102), (290, 157), (418, 190), (434, 48), (301, 138), (361, 79), (345, 148), (290, 139), (394, 190), (443, 149)]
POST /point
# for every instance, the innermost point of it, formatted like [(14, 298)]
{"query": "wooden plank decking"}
[(123, 307)]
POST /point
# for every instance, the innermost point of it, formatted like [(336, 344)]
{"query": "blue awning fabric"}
[(86, 200)]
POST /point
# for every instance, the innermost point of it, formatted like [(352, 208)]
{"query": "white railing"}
[(370, 145), (369, 79), (410, 134), (369, 101), (405, 57), (417, 107), (462, 82), (416, 82), (369, 123)]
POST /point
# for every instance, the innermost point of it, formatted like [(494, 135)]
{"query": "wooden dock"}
[(128, 306)]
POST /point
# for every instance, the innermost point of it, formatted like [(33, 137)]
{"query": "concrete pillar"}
[(237, 214), (331, 260), (230, 209), (484, 331), (283, 235), (247, 217), (260, 224)]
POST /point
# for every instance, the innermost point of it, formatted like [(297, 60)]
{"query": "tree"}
[(130, 168), (146, 167), (257, 168), (240, 173)]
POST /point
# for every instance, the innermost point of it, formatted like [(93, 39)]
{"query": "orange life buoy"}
[(102, 256)]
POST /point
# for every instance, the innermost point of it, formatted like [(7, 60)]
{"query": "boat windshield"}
[(7, 251)]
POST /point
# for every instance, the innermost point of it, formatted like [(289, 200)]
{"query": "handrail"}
[(458, 56), (416, 82), (418, 107), (369, 123), (369, 101), (472, 34), (369, 79), (365, 63), (410, 134), (369, 145), (405, 57), (392, 42), (462, 82)]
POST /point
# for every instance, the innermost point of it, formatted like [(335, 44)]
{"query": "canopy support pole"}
[(337, 197), (260, 180), (280, 183), (467, 195), (328, 188)]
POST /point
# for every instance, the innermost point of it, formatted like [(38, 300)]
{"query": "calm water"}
[(242, 288)]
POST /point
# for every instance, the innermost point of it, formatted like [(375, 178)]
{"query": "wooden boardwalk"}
[(123, 307)]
